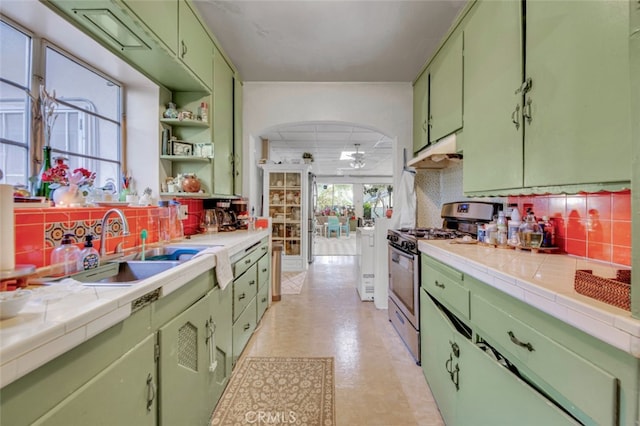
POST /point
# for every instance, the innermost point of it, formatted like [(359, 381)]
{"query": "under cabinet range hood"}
[(438, 156)]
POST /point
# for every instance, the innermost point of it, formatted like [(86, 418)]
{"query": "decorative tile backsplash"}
[(592, 225), (39, 231)]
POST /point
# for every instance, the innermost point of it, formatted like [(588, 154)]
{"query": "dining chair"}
[(344, 227), (333, 225)]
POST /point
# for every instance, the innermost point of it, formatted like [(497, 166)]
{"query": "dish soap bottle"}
[(501, 225), (89, 256), (64, 259)]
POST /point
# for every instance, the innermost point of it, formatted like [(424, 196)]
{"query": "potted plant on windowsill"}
[(307, 157)]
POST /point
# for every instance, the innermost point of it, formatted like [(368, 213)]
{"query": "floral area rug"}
[(279, 391)]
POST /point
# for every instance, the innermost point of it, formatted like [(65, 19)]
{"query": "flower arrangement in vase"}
[(68, 188)]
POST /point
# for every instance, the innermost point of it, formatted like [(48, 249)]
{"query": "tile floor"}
[(377, 381)]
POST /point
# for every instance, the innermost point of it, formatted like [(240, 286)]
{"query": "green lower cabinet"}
[(243, 329), (435, 352), (125, 393), (220, 307), (469, 386), (187, 366)]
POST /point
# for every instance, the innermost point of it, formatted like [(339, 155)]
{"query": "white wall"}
[(386, 107)]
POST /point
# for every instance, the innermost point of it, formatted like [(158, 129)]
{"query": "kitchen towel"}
[(404, 209), (224, 273), (7, 230)]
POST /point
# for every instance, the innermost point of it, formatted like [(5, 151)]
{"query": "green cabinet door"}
[(222, 125), (161, 17), (436, 357), (577, 55), (445, 89), (493, 151), (220, 314), (490, 394), (237, 136), (420, 112), (187, 389), (195, 47), (122, 394)]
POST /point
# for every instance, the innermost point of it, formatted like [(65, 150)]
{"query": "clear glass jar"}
[(529, 233)]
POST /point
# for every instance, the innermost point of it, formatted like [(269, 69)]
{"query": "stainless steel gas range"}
[(459, 219)]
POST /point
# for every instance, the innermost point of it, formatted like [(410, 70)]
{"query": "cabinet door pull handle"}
[(248, 261), (455, 377), (515, 115), (439, 284), (151, 391), (264, 270), (264, 299), (447, 365), (247, 326), (515, 340), (424, 125), (526, 111), (183, 49), (455, 348), (252, 282), (525, 86), (241, 296)]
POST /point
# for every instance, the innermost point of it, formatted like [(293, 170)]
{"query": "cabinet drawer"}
[(446, 285), (243, 328), (244, 290), (264, 271), (585, 385), (243, 264), (262, 301)]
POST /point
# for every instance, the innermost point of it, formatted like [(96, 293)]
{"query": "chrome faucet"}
[(105, 224)]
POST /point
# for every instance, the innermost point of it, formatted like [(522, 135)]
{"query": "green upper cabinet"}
[(223, 112), (445, 89), (158, 16), (547, 106), (493, 69), (195, 48), (420, 112), (577, 56), (237, 136)]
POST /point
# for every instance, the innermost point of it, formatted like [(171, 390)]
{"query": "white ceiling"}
[(326, 141), (330, 41)]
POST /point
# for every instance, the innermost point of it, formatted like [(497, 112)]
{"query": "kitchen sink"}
[(170, 253), (123, 273)]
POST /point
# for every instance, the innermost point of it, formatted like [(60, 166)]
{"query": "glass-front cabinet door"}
[(284, 210), (285, 199)]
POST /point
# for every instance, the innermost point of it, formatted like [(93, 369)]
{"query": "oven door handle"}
[(396, 254)]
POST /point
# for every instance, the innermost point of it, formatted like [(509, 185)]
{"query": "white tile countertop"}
[(43, 330), (546, 282)]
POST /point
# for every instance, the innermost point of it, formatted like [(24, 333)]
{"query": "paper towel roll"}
[(7, 230)]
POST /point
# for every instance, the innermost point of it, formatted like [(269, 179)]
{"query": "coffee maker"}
[(226, 218)]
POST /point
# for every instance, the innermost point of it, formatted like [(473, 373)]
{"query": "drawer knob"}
[(248, 261), (439, 284), (515, 340)]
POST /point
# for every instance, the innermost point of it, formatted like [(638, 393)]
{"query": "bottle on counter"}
[(529, 233), (164, 221), (548, 232), (64, 258), (501, 229), (177, 228), (89, 256), (512, 227)]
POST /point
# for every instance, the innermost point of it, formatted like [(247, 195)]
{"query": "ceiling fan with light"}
[(357, 161)]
